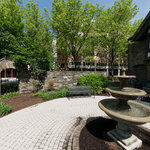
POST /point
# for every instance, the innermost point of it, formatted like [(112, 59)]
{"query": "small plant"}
[(62, 92), (100, 90), (35, 85), (43, 90), (62, 88), (9, 95), (50, 85), (4, 109), (96, 81)]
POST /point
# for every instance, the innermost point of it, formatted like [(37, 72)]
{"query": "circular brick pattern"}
[(47, 126)]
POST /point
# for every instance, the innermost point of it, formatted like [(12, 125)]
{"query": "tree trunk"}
[(75, 62), (112, 64), (81, 63), (75, 56)]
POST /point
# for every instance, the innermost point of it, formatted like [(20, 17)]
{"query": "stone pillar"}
[(5, 74), (95, 63), (107, 70), (107, 66), (119, 68)]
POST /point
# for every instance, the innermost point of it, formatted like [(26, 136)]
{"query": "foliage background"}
[(79, 29)]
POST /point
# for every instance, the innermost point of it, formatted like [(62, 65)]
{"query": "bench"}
[(79, 90)]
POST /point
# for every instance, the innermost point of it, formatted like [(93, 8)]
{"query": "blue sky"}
[(143, 5)]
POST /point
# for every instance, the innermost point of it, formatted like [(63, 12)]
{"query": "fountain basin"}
[(137, 114), (125, 93), (123, 79)]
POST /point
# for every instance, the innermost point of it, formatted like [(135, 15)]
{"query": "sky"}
[(143, 5)]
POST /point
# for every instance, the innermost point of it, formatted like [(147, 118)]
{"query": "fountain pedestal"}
[(129, 143), (125, 112), (124, 137)]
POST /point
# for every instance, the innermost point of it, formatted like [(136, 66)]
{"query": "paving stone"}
[(47, 125)]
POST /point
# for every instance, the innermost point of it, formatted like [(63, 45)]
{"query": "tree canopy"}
[(114, 26), (27, 34), (71, 22)]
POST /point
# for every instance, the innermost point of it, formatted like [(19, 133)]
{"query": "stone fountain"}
[(126, 112)]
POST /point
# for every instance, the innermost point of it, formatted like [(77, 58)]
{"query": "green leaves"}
[(114, 26), (62, 92), (25, 36), (71, 21), (4, 109), (96, 81)]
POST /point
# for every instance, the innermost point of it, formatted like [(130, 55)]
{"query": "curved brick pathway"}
[(46, 126)]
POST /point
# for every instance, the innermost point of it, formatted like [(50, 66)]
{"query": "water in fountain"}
[(133, 110)]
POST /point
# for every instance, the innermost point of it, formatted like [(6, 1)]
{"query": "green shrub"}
[(62, 88), (62, 92), (4, 109), (9, 95), (96, 81), (38, 93)]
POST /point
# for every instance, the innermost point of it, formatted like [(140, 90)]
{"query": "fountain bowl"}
[(137, 114), (125, 77), (125, 93)]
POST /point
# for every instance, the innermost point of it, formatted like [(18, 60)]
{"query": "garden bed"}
[(93, 136), (21, 101)]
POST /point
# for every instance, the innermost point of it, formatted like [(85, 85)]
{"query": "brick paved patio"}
[(47, 126)]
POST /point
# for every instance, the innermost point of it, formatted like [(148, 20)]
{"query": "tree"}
[(38, 40), (25, 36), (114, 27), (71, 21), (11, 27)]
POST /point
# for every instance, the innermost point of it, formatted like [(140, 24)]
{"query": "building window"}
[(9, 73)]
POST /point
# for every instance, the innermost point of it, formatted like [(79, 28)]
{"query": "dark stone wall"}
[(136, 54), (136, 62)]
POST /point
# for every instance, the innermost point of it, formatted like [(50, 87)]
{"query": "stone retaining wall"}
[(65, 78), (59, 78)]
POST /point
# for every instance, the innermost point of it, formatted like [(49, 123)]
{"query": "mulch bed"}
[(94, 136), (22, 101)]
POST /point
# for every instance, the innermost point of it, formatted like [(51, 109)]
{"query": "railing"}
[(91, 65), (9, 80)]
